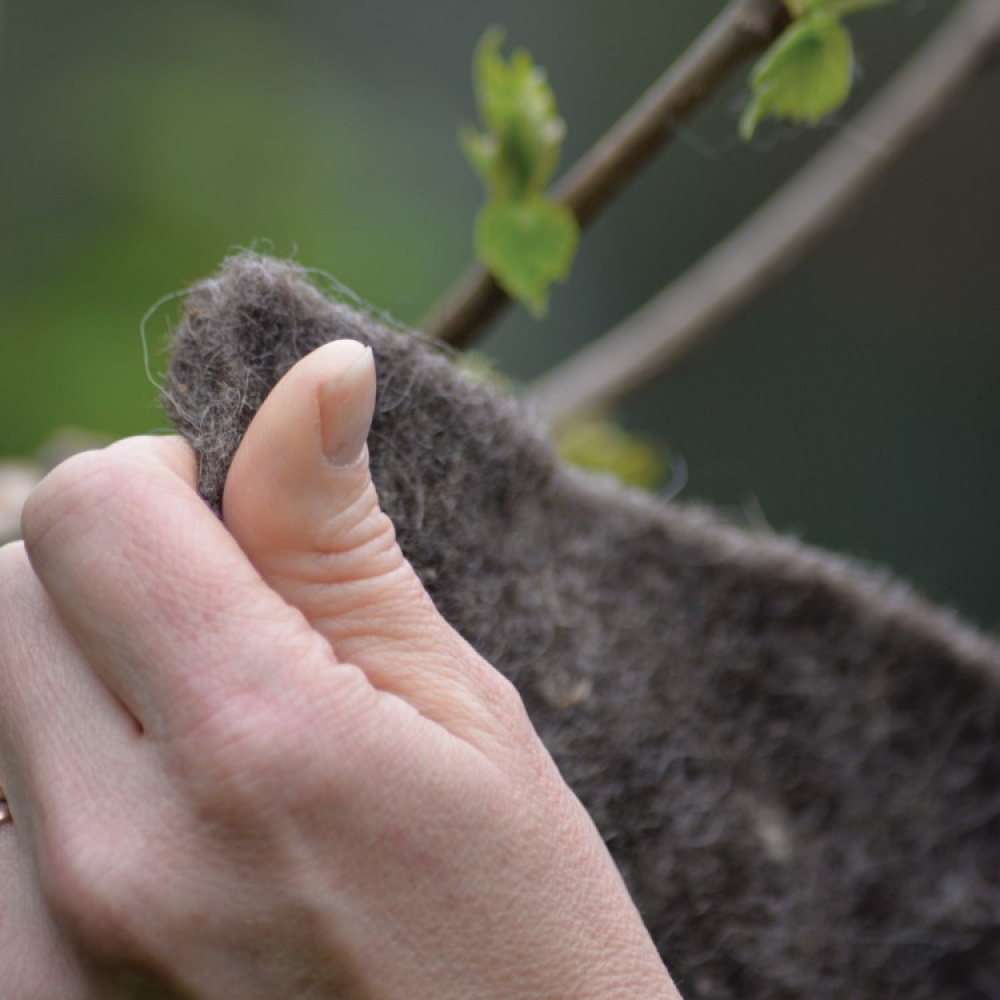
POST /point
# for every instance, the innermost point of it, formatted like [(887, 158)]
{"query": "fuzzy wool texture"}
[(794, 760)]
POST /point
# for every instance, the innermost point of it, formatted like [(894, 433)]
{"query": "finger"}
[(62, 731), (160, 599), (33, 960), (300, 500)]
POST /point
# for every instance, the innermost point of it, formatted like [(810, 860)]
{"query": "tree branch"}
[(779, 233), (744, 27)]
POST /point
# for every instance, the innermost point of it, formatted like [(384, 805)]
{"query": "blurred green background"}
[(857, 404)]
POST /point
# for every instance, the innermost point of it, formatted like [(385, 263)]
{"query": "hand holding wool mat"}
[(794, 761)]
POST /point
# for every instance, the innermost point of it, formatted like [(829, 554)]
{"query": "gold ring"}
[(5, 816)]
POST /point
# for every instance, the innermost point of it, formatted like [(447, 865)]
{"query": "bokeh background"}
[(856, 404)]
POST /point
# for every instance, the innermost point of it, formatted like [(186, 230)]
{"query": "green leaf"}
[(525, 240), (599, 445), (804, 76), (838, 8), (517, 154), (527, 245)]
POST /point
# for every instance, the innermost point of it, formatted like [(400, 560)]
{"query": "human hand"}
[(258, 763)]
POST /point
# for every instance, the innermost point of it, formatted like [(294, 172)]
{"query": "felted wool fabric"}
[(794, 761)]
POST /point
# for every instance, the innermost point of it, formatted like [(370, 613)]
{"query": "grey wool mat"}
[(794, 760)]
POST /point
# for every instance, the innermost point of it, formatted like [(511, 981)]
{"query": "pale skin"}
[(251, 760)]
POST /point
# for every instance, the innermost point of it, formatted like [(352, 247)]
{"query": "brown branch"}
[(744, 27), (779, 233)]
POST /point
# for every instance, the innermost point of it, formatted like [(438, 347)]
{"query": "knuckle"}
[(94, 484), (68, 495), (249, 750), (501, 696), (506, 707), (94, 889)]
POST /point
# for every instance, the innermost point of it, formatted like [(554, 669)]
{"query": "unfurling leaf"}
[(524, 239), (527, 245), (804, 76), (517, 155)]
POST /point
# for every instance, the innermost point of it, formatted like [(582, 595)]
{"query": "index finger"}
[(152, 587)]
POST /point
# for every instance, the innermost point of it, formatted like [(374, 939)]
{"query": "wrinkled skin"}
[(251, 760)]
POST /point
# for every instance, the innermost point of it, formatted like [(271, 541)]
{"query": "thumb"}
[(300, 501)]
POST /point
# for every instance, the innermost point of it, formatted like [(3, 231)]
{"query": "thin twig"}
[(779, 233), (744, 27)]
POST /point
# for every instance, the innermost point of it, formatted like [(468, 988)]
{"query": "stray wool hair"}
[(793, 759)]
